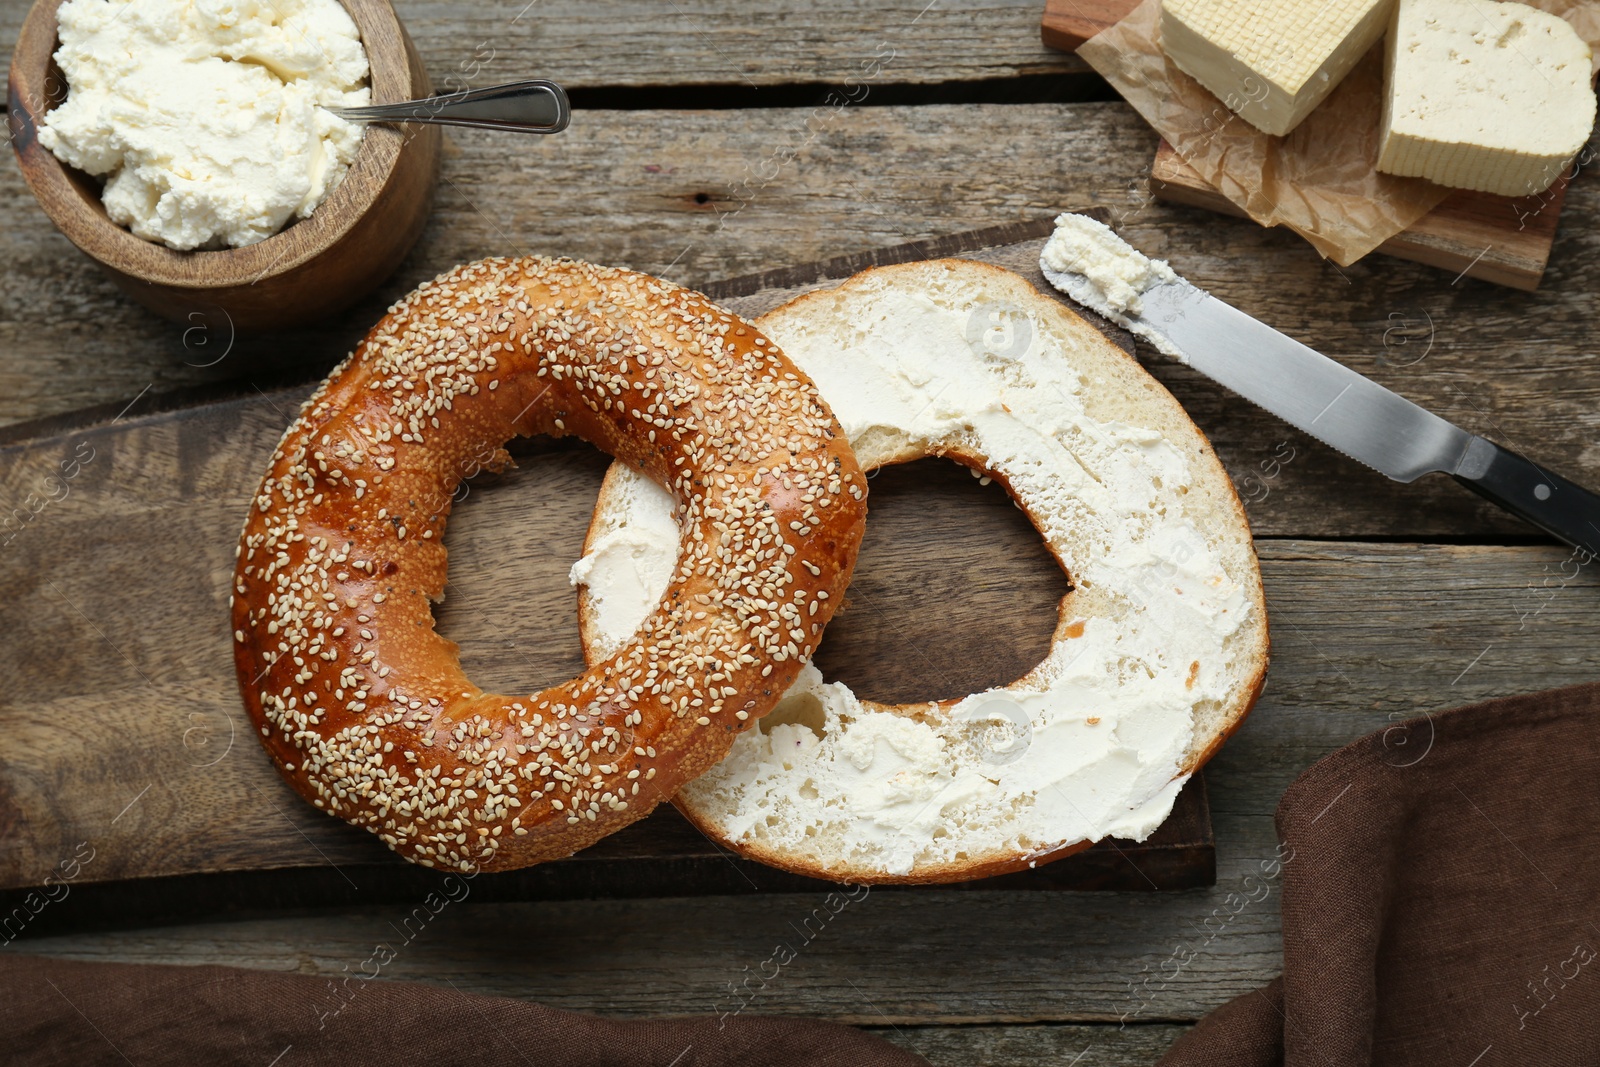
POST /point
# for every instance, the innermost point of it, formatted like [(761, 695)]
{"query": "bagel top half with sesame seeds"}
[(365, 709)]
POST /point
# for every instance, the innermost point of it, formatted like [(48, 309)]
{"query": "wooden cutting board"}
[(1498, 239), (124, 735)]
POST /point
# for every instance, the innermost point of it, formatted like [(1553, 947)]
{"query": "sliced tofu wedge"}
[(1271, 62), (1495, 97)]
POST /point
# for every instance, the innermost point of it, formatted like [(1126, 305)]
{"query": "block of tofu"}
[(1271, 62), (1495, 97)]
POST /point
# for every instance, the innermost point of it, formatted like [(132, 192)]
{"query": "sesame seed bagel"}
[(365, 709), (1158, 651)]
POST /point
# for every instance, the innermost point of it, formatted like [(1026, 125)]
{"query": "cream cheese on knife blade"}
[(1087, 260)]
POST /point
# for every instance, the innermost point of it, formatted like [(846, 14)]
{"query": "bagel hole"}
[(511, 538), (800, 709), (954, 592)]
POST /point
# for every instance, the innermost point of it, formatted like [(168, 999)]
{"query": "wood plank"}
[(1515, 366), (1364, 635), (196, 470), (158, 676), (680, 192), (1497, 239), (659, 857), (740, 44), (1031, 1046), (885, 959), (1287, 459)]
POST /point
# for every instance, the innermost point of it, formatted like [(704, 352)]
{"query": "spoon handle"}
[(524, 107)]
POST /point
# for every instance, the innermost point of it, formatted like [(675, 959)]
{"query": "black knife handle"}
[(1555, 505)]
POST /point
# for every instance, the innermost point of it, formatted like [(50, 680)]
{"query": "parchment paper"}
[(1321, 180)]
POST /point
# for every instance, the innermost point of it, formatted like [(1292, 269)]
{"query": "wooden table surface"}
[(702, 148)]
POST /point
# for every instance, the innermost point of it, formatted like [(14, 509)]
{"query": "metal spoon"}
[(523, 107)]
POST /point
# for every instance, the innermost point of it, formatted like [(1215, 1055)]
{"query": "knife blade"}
[(1350, 412)]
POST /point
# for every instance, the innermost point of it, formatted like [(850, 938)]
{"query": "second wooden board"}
[(1499, 239)]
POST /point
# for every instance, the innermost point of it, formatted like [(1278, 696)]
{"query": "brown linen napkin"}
[(62, 1012), (1442, 903)]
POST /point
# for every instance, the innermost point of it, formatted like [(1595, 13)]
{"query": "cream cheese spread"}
[(206, 116), (1089, 744)]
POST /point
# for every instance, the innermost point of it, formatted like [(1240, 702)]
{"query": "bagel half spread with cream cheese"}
[(1158, 653)]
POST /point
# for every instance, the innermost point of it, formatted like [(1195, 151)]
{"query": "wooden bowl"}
[(314, 267)]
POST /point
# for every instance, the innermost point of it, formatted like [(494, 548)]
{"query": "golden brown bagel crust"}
[(365, 710)]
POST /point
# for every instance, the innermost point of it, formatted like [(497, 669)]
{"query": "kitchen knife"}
[(1352, 413)]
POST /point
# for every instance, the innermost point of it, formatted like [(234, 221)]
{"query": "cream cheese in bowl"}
[(206, 116)]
